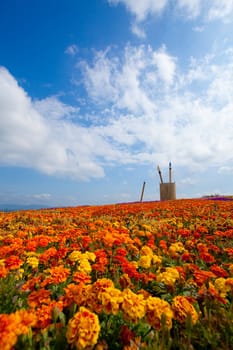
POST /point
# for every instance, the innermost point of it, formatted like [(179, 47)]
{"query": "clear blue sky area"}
[(95, 94)]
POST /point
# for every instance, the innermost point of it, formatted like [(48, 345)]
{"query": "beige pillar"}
[(167, 191)]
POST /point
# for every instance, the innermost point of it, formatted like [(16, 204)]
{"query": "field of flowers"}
[(153, 275)]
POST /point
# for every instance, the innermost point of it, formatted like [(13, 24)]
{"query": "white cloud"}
[(188, 181), (225, 170), (166, 66), (220, 10), (41, 196), (185, 122), (120, 81), (52, 108), (151, 111), (199, 29), (138, 31), (99, 78), (192, 8), (72, 50), (141, 9), (205, 11), (31, 139)]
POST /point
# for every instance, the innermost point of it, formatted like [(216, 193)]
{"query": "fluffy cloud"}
[(125, 81), (187, 119), (166, 66), (150, 111), (33, 135)]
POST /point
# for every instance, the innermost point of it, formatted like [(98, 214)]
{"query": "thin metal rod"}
[(160, 174), (170, 172), (142, 193)]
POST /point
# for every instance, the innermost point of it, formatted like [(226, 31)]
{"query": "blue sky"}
[(94, 94)]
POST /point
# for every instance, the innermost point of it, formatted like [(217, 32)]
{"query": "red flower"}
[(219, 271), (126, 335)]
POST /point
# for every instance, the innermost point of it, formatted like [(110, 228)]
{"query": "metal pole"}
[(160, 174), (170, 172), (142, 193)]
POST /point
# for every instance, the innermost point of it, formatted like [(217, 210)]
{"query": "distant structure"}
[(143, 189), (167, 189)]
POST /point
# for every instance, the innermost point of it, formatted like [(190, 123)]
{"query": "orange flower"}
[(39, 297), (202, 276), (210, 293), (27, 320), (183, 309), (44, 314), (229, 283), (13, 325), (101, 261), (72, 291), (8, 335), (58, 274), (83, 329), (48, 255), (125, 281), (31, 283), (13, 262), (81, 277), (3, 272)]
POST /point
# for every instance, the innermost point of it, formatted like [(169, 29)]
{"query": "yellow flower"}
[(176, 248), (133, 306), (111, 300), (83, 329), (222, 286), (89, 256), (84, 266), (33, 262), (145, 250), (2, 263), (145, 261), (157, 260), (75, 256), (134, 264), (169, 276), (156, 309), (183, 309)]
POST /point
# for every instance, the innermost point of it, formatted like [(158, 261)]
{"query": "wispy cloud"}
[(220, 10), (206, 11), (152, 110), (142, 9), (72, 50), (191, 8)]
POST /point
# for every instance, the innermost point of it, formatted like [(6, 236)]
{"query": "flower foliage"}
[(153, 275)]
